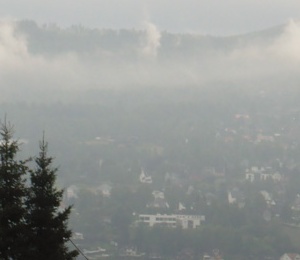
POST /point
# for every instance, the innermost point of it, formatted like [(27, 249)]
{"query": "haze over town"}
[(175, 124), (151, 58)]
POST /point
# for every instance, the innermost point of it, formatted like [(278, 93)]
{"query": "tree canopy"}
[(33, 225)]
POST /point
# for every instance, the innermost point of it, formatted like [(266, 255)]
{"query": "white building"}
[(105, 189), (144, 178), (185, 221), (77, 236), (158, 194), (290, 257), (91, 252), (181, 207), (72, 192), (250, 176), (268, 198), (262, 174)]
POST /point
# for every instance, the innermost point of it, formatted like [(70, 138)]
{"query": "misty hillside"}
[(47, 63), (51, 39)]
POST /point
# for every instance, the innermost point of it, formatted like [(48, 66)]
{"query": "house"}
[(253, 173), (144, 178), (289, 256), (250, 176), (262, 174), (158, 194), (241, 116), (215, 255), (268, 198), (231, 199), (296, 203), (77, 236), (104, 140), (235, 196), (130, 252), (96, 251), (277, 177), (105, 189), (158, 202), (172, 221), (265, 176), (72, 192), (181, 207), (264, 138), (208, 257)]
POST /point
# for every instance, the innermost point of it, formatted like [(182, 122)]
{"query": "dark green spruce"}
[(12, 196), (47, 222)]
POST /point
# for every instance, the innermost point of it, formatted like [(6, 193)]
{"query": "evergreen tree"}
[(12, 195), (46, 222)]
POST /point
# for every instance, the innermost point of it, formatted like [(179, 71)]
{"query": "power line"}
[(78, 249)]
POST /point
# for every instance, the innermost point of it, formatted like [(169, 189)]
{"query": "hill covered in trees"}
[(63, 63)]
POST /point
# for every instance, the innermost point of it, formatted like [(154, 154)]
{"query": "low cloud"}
[(287, 46), (28, 75), (151, 40)]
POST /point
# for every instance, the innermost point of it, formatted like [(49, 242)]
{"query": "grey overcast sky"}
[(218, 17)]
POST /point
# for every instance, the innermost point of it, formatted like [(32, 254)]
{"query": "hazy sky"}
[(202, 16)]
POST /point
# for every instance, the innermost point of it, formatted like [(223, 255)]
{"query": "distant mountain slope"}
[(53, 63), (52, 40)]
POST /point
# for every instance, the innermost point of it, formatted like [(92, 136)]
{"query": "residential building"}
[(105, 189), (158, 203), (72, 192), (289, 256), (158, 194), (184, 221), (144, 178), (235, 196), (262, 174), (268, 198), (77, 236)]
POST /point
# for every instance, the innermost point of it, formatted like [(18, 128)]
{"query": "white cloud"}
[(287, 45), (33, 74), (13, 48), (18, 66), (151, 41)]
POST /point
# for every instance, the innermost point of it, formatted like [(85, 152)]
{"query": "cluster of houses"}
[(256, 136), (262, 174), (235, 195)]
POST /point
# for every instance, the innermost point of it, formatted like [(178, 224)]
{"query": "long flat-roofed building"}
[(185, 221)]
